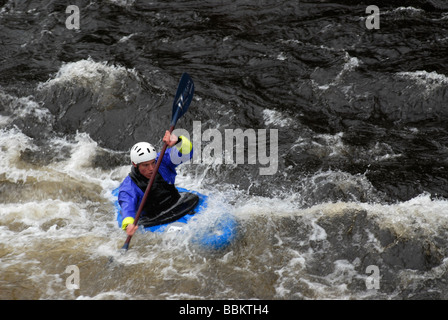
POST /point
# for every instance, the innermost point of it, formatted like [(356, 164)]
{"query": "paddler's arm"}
[(173, 157), (182, 152), (128, 204)]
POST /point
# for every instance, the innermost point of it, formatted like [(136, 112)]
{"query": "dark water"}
[(361, 116)]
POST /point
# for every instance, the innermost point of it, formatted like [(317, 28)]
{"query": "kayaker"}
[(163, 193)]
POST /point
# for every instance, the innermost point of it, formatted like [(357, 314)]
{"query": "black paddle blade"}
[(184, 95)]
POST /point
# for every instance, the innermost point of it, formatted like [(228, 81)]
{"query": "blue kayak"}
[(191, 203)]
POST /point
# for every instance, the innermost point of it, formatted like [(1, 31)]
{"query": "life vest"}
[(161, 197)]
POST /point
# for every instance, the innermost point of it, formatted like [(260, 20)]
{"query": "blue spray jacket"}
[(130, 195)]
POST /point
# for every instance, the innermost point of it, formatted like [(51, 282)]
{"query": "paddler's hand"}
[(170, 139), (130, 229)]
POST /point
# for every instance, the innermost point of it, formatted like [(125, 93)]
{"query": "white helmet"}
[(142, 152)]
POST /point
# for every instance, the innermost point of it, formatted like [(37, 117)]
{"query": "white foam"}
[(409, 9), (333, 146), (122, 3), (79, 164), (424, 77), (281, 56), (4, 120), (90, 74), (290, 275), (350, 64), (318, 233), (36, 213), (109, 295), (126, 38), (23, 107), (12, 143), (422, 211), (82, 153), (429, 80), (276, 118)]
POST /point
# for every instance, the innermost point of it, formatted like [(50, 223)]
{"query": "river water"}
[(354, 205)]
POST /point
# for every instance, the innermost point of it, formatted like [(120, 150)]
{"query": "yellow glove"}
[(127, 221), (186, 145)]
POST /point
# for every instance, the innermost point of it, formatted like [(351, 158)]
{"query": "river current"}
[(347, 201)]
